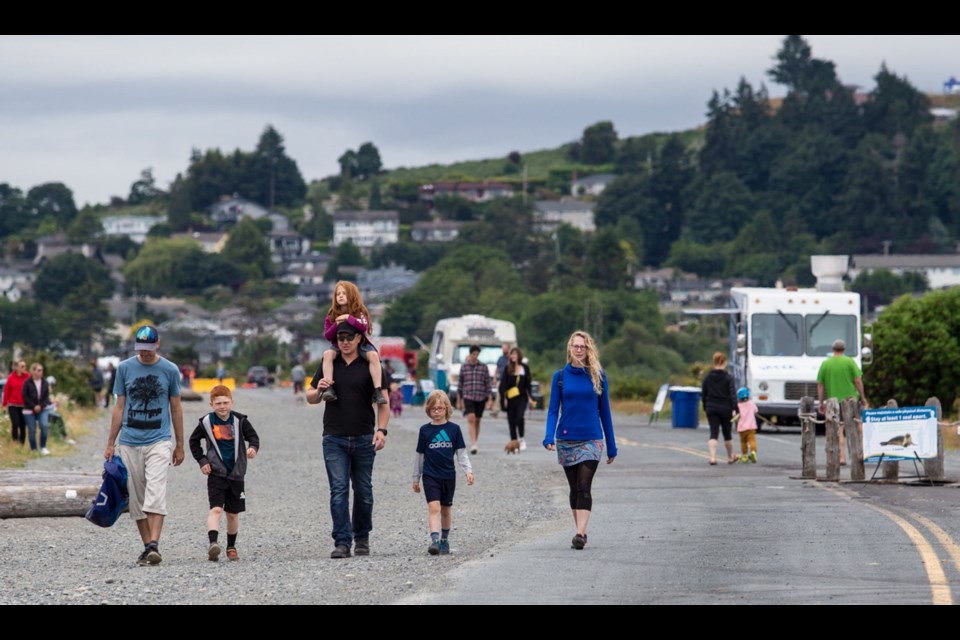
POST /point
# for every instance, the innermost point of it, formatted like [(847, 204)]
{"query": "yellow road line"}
[(952, 548), (692, 452), (939, 587)]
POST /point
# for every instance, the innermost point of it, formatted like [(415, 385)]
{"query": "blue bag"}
[(112, 499)]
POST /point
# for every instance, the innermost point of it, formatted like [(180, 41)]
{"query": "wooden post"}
[(854, 433), (832, 418), (934, 466), (808, 439), (891, 470)]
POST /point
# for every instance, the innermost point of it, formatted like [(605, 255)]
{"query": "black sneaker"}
[(340, 551), (142, 560), (361, 548), (153, 556), (579, 542), (328, 395), (444, 547), (434, 548)]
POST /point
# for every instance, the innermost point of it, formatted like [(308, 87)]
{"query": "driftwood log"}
[(36, 494)]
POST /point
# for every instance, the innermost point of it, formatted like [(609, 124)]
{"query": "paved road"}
[(666, 528)]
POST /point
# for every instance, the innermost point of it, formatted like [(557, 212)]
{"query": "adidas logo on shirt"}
[(441, 441)]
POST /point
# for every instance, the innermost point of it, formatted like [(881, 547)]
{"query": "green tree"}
[(881, 286), (705, 260), (85, 227), (13, 211), (606, 261), (26, 323), (917, 346), (895, 106), (599, 143), (53, 201), (247, 248), (145, 189), (69, 272), (180, 207), (271, 176), (722, 206), (368, 162)]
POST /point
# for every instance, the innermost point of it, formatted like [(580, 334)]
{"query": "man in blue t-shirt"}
[(147, 410)]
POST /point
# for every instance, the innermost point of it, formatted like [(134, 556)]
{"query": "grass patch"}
[(13, 456), (632, 407)]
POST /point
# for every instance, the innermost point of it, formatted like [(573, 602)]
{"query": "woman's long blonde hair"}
[(591, 359)]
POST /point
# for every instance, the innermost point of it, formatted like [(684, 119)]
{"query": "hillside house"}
[(366, 229), (549, 214), (941, 270)]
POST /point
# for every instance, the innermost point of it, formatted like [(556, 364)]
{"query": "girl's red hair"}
[(354, 304)]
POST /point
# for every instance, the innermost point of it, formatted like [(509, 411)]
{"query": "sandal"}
[(713, 463), (732, 460)]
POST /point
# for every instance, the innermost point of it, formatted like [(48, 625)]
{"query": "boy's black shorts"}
[(227, 494), (435, 489)]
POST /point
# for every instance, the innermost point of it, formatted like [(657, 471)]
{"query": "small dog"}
[(513, 446)]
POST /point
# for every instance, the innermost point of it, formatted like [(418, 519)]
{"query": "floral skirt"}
[(571, 452)]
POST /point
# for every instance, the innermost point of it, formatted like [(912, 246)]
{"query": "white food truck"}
[(452, 339)]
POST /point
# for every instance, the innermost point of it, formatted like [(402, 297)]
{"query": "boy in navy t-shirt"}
[(440, 441)]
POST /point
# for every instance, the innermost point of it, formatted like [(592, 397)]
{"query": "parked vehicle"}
[(259, 376), (780, 336), (452, 339)]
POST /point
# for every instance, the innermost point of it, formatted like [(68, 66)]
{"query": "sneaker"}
[(523, 444), (361, 548), (44, 451), (328, 395), (71, 441), (340, 551), (744, 458), (142, 560), (474, 451), (434, 548), (579, 542), (753, 456), (378, 397), (213, 553), (444, 548), (232, 553), (153, 556)]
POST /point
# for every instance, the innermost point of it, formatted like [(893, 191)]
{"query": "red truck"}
[(402, 360)]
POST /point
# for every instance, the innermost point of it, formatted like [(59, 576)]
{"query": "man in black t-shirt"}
[(352, 434)]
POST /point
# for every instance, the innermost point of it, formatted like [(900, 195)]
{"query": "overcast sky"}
[(92, 112)]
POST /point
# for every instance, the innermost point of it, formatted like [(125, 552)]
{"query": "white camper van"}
[(779, 337), (452, 339)]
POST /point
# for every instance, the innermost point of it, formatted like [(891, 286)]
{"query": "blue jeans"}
[(31, 419), (350, 459)]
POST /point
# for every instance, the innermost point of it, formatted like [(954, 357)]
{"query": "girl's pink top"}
[(330, 328), (748, 416)]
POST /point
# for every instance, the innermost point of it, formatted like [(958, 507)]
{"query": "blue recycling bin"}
[(685, 413), (407, 389)]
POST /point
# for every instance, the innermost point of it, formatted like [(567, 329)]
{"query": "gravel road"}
[(285, 538)]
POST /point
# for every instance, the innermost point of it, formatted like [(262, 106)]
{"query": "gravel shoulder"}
[(285, 538)]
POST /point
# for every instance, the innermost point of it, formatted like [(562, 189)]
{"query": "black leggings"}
[(18, 426), (516, 408), (580, 479), (718, 421)]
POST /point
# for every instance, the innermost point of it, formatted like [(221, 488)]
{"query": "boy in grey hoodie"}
[(231, 440)]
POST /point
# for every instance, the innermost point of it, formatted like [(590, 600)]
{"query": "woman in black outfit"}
[(719, 397), (514, 394)]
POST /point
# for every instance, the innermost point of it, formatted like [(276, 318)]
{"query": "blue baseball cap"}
[(147, 338)]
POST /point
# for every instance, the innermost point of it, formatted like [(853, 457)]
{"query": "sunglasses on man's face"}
[(343, 337)]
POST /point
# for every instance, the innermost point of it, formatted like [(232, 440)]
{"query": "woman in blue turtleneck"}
[(578, 423)]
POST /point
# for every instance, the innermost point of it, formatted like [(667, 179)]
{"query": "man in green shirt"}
[(839, 377)]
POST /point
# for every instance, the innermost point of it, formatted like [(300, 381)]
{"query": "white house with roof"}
[(435, 231), (16, 280), (135, 227), (591, 185), (287, 245), (210, 241), (550, 214), (941, 270), (472, 191), (366, 229)]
